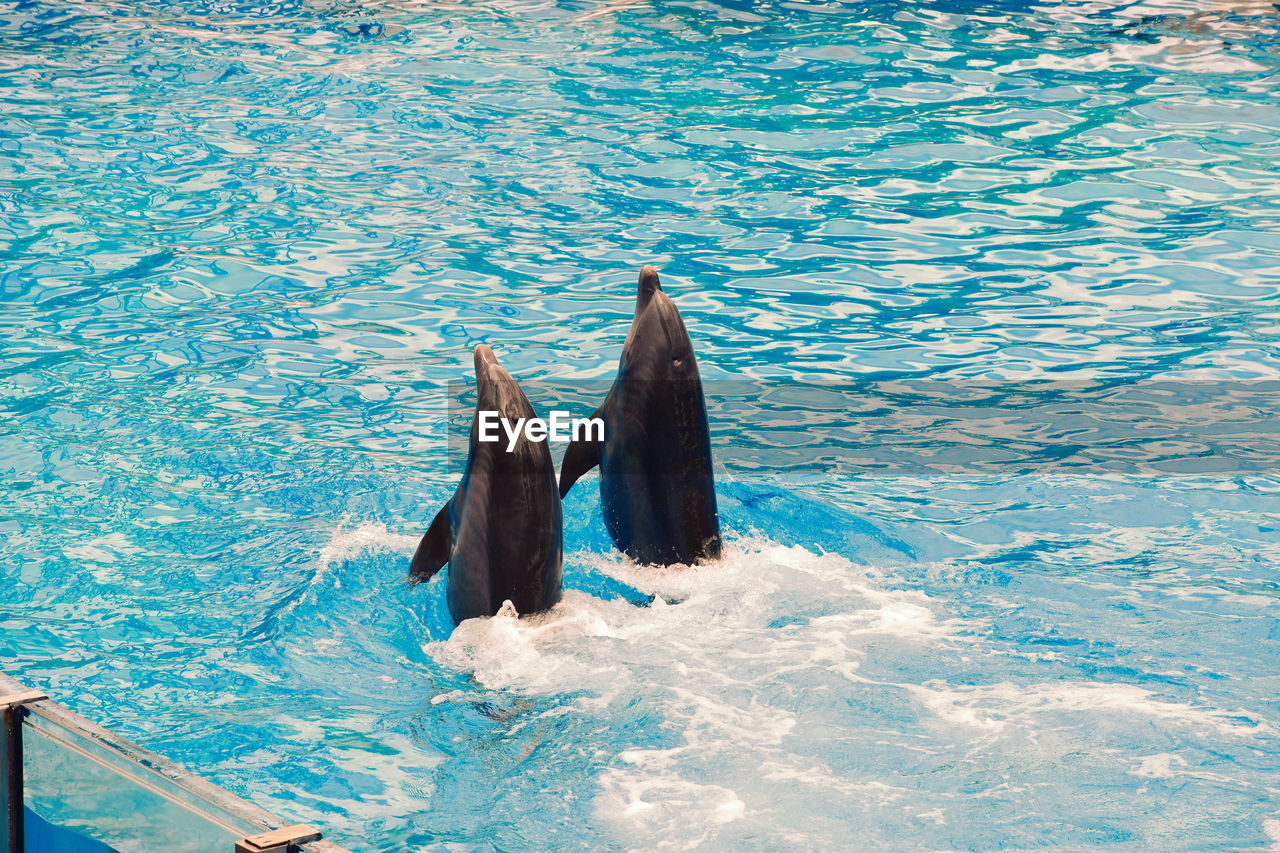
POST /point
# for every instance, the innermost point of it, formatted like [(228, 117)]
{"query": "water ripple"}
[(246, 244)]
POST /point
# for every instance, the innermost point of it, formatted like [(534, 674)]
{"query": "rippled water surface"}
[(247, 244)]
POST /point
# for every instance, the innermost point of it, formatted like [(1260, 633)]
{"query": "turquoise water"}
[(247, 244), (44, 837)]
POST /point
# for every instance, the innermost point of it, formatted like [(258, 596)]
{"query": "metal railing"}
[(68, 784)]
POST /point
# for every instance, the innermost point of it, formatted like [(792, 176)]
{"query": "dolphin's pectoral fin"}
[(583, 455), (435, 548)]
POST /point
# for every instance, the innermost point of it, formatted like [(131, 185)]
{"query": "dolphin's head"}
[(485, 361), (496, 390), (648, 287), (657, 339)]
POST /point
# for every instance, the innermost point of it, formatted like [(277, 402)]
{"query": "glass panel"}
[(88, 790), (80, 790)]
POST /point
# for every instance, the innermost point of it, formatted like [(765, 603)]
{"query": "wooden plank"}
[(278, 839)]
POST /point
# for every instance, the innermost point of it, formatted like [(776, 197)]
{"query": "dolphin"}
[(502, 531), (656, 484)]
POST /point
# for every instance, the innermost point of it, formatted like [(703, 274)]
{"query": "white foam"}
[(349, 544), (1271, 826), (677, 813), (713, 667), (1159, 766), (718, 607), (1166, 765), (997, 706), (345, 545), (758, 694)]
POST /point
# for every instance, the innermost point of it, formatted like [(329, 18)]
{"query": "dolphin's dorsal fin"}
[(435, 548), (581, 457), (649, 285)]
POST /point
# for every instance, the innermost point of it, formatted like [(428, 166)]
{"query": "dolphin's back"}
[(508, 534), (501, 534), (657, 487)]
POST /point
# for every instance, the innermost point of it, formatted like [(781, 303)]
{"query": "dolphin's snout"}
[(648, 286), (649, 279), (484, 358)]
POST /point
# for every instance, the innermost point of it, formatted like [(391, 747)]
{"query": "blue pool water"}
[(40, 836), (246, 244)]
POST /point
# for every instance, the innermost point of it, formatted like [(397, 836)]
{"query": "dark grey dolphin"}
[(656, 484), (501, 533)]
